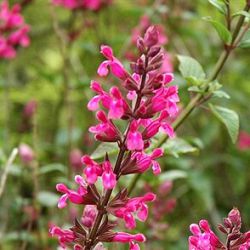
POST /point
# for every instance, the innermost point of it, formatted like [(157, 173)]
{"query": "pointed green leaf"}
[(245, 43), (103, 148), (220, 5), (229, 118), (177, 146), (222, 31), (172, 175), (190, 68)]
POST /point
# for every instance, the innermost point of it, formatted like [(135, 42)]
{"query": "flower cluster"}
[(93, 5), (140, 29), (144, 101), (205, 239), (13, 30)]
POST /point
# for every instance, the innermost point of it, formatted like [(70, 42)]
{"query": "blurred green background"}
[(211, 178)]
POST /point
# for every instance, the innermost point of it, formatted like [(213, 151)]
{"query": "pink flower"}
[(105, 130), (135, 205), (64, 236), (92, 169), (76, 197), (113, 63), (113, 101), (26, 153), (126, 237), (134, 138), (206, 240), (108, 176), (244, 140), (89, 215), (30, 108), (75, 158), (93, 5), (13, 30), (144, 161)]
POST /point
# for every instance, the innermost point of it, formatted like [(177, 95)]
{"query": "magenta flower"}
[(134, 139), (135, 205), (105, 130), (125, 237), (205, 239), (111, 63), (113, 101), (108, 176), (13, 30), (92, 169), (76, 197), (64, 236)]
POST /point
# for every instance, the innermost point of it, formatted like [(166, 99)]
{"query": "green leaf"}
[(103, 148), (220, 5), (222, 31), (51, 168), (190, 68), (177, 146), (47, 199), (242, 13), (229, 118), (172, 175), (245, 42), (195, 89), (221, 94)]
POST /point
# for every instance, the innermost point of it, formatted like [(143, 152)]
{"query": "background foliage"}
[(209, 179)]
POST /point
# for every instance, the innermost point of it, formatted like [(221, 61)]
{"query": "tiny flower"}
[(76, 197), (135, 205), (126, 237), (113, 63), (134, 138), (105, 130), (92, 169), (108, 176), (89, 215), (64, 236)]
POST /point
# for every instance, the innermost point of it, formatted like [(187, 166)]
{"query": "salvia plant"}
[(136, 116), (144, 101)]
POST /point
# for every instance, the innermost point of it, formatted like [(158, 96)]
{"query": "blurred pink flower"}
[(13, 30), (30, 109), (93, 5), (26, 153), (244, 140), (75, 158)]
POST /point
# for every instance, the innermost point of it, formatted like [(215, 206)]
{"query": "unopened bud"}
[(151, 37), (140, 45), (154, 51), (234, 217)]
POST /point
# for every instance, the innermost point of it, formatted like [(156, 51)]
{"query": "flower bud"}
[(151, 37), (234, 217), (89, 215), (26, 153)]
